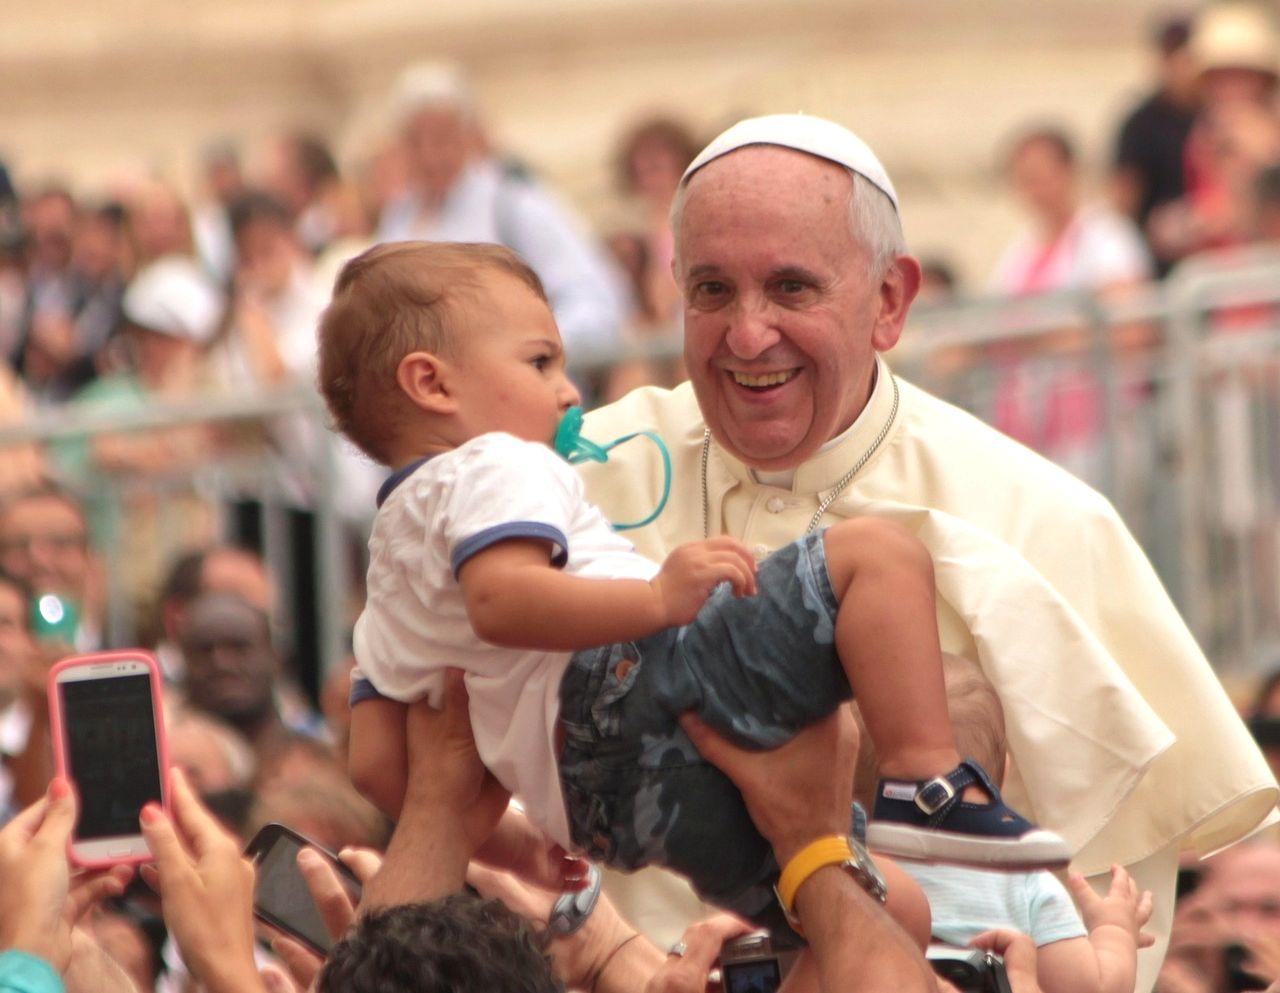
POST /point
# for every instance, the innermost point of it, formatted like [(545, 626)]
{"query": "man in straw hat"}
[(791, 260)]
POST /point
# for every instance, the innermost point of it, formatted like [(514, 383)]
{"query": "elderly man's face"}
[(1243, 885), (782, 314)]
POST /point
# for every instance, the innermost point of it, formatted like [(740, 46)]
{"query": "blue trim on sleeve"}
[(474, 544), (23, 973), (362, 690)]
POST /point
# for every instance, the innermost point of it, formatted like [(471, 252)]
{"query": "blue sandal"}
[(927, 821)]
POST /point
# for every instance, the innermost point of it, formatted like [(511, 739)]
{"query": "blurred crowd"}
[(134, 295)]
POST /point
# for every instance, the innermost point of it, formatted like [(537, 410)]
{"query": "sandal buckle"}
[(948, 794)]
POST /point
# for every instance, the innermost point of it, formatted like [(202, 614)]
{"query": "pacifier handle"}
[(574, 449)]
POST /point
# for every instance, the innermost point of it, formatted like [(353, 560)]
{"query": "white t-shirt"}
[(1098, 249), (966, 902), (433, 517)]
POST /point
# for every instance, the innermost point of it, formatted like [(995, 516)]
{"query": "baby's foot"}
[(931, 821)]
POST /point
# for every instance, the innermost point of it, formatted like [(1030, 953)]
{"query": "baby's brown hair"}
[(976, 717), (394, 299)]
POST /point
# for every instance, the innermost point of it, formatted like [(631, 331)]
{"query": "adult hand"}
[(335, 905), (797, 792), (206, 890), (693, 570), (688, 973), (39, 903), (1019, 954), (580, 957)]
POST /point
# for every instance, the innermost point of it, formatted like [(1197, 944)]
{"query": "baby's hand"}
[(692, 571), (1123, 906), (520, 848)]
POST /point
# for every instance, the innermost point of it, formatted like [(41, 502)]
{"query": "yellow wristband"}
[(831, 850)]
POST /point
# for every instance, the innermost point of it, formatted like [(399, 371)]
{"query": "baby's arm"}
[(1107, 960), (517, 598)]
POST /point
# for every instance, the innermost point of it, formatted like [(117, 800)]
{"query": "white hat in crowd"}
[(173, 296), (431, 84), (1236, 34), (815, 135)]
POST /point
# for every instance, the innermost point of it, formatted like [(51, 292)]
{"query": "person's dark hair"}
[(314, 160), (654, 131), (254, 206), (1171, 35), (459, 944), (1055, 137)]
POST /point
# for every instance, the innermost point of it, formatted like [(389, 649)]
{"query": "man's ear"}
[(898, 288), (424, 379)]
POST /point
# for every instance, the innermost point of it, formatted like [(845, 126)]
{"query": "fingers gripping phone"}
[(281, 896), (107, 724)]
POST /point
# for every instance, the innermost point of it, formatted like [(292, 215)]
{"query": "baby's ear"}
[(422, 378)]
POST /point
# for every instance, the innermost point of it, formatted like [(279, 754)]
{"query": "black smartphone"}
[(281, 896)]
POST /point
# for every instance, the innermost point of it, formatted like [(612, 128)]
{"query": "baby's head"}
[(427, 345), (976, 717)]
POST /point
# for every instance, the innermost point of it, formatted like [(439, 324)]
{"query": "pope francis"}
[(795, 280)]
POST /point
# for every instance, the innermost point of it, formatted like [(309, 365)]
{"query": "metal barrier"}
[(1167, 399)]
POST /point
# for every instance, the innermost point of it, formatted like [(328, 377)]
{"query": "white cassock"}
[(1121, 737)]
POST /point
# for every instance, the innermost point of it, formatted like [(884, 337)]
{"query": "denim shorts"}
[(757, 670)]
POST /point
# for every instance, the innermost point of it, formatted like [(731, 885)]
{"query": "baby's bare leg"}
[(887, 640)]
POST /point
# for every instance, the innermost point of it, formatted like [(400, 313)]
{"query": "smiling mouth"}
[(763, 382)]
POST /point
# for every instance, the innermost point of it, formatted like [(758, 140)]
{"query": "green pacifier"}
[(574, 449)]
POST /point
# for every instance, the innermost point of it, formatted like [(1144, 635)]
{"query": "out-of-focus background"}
[(97, 93)]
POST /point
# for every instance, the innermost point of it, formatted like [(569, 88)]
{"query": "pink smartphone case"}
[(58, 733)]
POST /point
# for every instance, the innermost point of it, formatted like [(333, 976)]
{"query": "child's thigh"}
[(765, 666)]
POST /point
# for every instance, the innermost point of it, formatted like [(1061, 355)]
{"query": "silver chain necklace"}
[(836, 490)]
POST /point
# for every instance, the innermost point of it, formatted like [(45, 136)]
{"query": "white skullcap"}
[(430, 84), (815, 135), (173, 296)]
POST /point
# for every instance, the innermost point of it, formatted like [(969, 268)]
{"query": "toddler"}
[(1095, 955), (443, 362)]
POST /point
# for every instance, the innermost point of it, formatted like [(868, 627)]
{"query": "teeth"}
[(767, 379)]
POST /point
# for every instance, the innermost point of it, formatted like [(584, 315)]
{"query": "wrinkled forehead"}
[(771, 169)]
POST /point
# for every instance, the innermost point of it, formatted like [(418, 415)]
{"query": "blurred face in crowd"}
[(159, 220), (782, 313), (656, 168), (158, 358), (230, 662), (1243, 885), (17, 646), (1236, 85), (50, 221), (439, 140), (44, 543), (267, 254), (195, 749), (1044, 181), (99, 247)]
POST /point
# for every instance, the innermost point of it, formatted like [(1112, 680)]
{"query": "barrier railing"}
[(1166, 398)]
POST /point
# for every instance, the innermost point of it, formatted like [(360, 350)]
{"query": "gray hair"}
[(873, 221)]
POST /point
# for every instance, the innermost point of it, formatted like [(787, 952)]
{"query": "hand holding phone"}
[(107, 725), (286, 899)]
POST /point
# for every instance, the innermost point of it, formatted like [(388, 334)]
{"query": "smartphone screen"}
[(109, 741), (282, 897), (111, 752), (762, 976)]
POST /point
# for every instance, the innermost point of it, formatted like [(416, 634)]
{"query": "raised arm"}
[(516, 598)]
